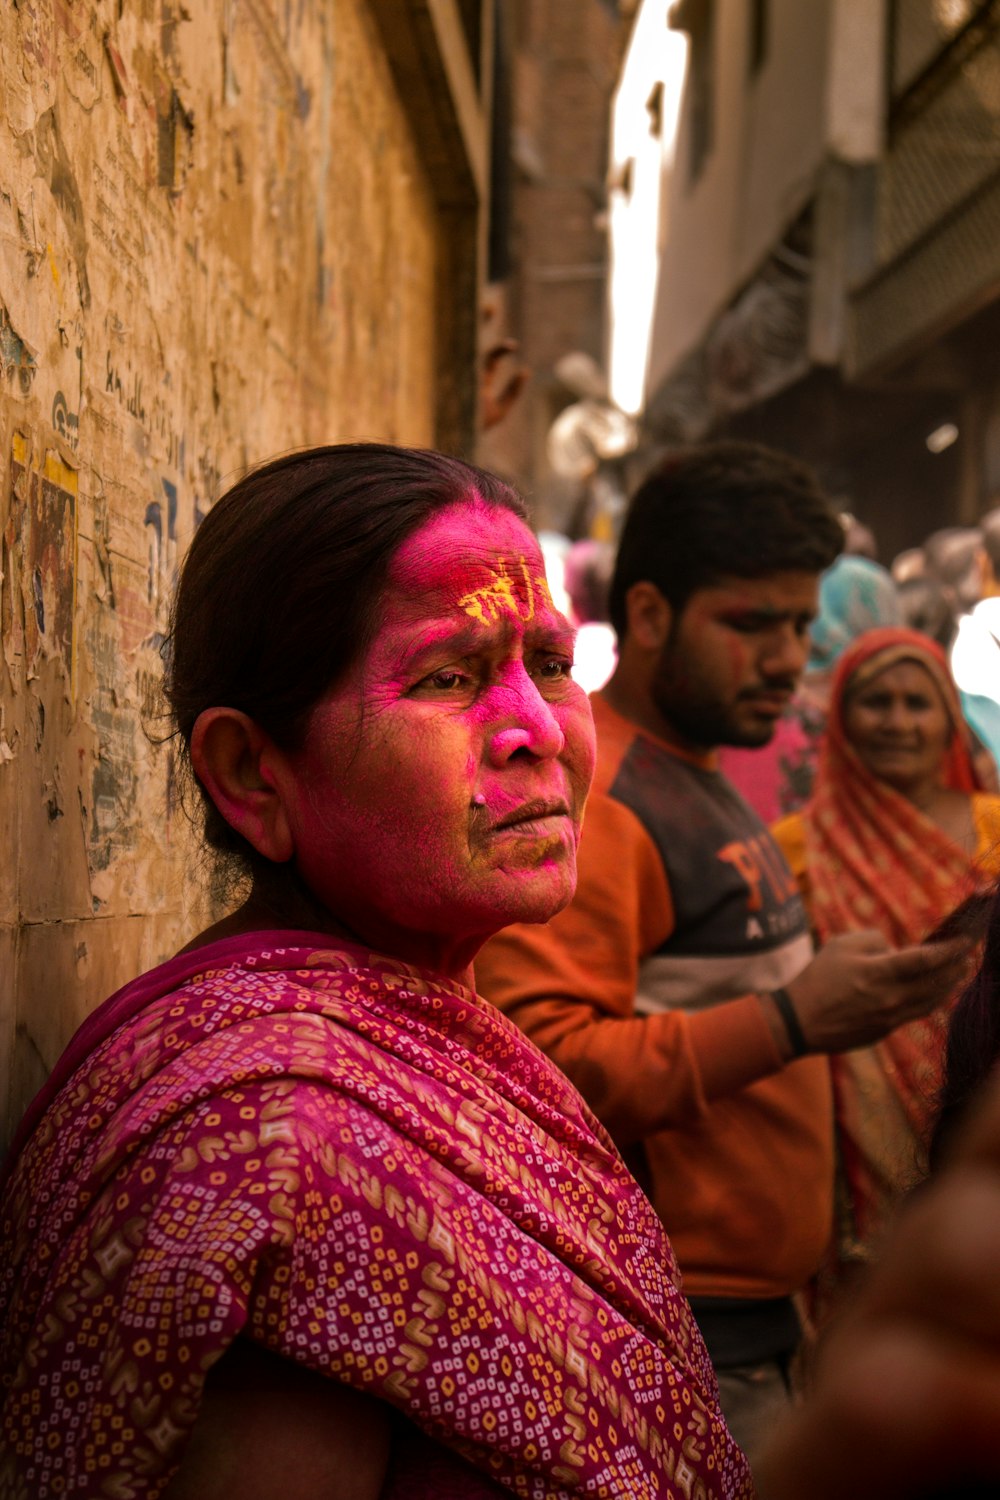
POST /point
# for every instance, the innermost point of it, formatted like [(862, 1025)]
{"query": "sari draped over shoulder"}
[(365, 1169), (874, 860)]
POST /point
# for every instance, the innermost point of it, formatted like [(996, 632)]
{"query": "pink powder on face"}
[(441, 786)]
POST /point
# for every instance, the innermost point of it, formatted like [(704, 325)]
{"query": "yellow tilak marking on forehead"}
[(498, 597)]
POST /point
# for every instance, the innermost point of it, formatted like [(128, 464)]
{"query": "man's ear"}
[(649, 616), (235, 762)]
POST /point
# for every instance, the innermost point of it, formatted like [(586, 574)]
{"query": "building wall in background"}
[(826, 272), (551, 297), (225, 231), (722, 206)]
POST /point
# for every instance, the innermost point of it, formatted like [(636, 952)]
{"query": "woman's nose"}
[(524, 721)]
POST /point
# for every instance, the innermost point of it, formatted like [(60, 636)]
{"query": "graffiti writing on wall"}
[(65, 422), (161, 536), (154, 413)]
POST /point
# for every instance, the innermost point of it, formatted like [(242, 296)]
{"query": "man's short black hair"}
[(722, 509)]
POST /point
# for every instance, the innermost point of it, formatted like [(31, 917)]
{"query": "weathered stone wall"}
[(219, 240)]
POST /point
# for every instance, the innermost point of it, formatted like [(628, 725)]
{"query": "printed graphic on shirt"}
[(732, 890)]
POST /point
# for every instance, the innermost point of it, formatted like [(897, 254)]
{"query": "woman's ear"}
[(235, 761), (648, 615)]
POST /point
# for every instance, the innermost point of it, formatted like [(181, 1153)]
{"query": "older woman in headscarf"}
[(895, 835)]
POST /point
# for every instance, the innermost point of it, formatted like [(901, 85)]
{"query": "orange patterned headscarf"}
[(876, 860)]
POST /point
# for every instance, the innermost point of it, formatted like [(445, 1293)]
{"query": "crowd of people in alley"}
[(582, 1097), (757, 678)]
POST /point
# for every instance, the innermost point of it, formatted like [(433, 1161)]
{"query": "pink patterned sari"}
[(372, 1172)]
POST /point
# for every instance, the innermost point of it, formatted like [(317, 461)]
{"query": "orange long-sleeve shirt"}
[(645, 992)]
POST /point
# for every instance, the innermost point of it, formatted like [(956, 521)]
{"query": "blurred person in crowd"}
[(895, 836), (904, 1401), (859, 539), (953, 557), (925, 606), (975, 653), (855, 594), (588, 568), (905, 1397), (909, 564), (989, 528), (678, 989), (502, 376), (972, 1047), (966, 620)]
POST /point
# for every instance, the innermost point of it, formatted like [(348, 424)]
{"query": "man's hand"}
[(906, 1399), (857, 989)]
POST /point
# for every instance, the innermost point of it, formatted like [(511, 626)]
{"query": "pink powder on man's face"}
[(441, 787)]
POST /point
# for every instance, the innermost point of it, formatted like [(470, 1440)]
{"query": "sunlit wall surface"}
[(644, 122)]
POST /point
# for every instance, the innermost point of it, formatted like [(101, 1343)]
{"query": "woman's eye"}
[(555, 667), (448, 680)]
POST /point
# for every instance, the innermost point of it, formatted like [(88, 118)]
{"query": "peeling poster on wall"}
[(40, 555)]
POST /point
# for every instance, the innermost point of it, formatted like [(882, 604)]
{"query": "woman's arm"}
[(268, 1428)]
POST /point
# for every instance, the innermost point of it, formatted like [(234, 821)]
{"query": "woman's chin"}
[(536, 893)]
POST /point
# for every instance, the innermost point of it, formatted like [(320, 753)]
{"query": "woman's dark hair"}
[(736, 509), (973, 1045), (279, 593)]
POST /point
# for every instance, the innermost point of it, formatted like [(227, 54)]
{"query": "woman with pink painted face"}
[(298, 1213)]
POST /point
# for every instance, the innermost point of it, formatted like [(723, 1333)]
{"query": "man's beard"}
[(689, 706)]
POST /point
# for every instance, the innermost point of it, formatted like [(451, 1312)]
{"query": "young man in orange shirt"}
[(678, 990)]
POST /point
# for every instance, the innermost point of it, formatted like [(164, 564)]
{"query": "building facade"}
[(823, 178), (548, 262)]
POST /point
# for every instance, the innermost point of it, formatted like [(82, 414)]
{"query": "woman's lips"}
[(541, 815)]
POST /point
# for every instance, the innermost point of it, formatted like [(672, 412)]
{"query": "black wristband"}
[(793, 1026)]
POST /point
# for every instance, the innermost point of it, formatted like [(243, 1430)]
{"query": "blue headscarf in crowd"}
[(855, 594)]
